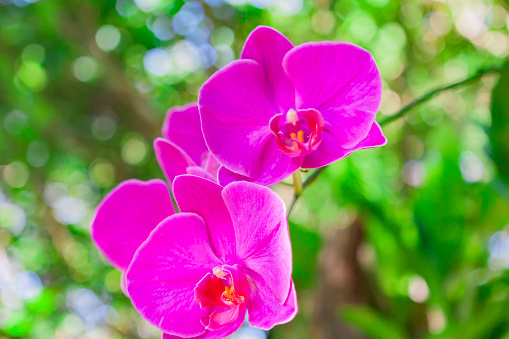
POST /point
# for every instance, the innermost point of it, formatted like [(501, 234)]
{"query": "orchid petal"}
[(265, 311), (182, 127), (235, 113), (261, 232), (165, 270), (330, 150), (217, 334), (276, 166), (268, 47), (203, 197), (341, 81), (172, 159), (200, 172), (126, 216)]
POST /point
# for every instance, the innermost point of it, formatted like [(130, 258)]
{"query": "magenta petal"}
[(218, 334), (126, 216), (182, 127), (261, 232), (225, 177), (172, 159), (165, 270), (375, 138), (200, 172), (203, 197), (265, 311), (235, 113), (342, 82), (331, 75), (275, 165), (350, 126), (267, 46), (330, 150)]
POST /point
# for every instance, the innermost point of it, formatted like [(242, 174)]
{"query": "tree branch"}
[(480, 73)]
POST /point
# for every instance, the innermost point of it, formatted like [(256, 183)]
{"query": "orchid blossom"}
[(228, 253), (280, 107), (183, 150)]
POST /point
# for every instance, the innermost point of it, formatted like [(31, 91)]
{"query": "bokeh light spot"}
[(107, 37), (134, 150), (38, 153), (157, 61), (85, 68), (16, 174), (102, 172)]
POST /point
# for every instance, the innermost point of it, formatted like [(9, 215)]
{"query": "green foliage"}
[(371, 323), (499, 132), (424, 218)]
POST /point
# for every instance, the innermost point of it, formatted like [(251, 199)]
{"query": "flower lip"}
[(298, 131), (223, 293)]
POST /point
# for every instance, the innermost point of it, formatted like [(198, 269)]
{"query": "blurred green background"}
[(410, 240)]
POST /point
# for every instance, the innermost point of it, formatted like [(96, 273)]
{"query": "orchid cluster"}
[(197, 273)]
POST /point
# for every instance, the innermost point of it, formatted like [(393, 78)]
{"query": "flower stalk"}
[(297, 183)]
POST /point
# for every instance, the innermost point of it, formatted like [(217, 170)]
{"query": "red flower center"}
[(217, 292), (298, 132)]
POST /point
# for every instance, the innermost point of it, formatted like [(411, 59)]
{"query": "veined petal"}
[(330, 150), (341, 81), (200, 172), (261, 232), (265, 311), (126, 216), (267, 46), (275, 165), (182, 127), (172, 159), (165, 270), (235, 113), (334, 74), (217, 334), (203, 197)]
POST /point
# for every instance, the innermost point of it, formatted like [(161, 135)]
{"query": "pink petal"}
[(165, 270), (330, 150), (235, 113), (340, 80), (275, 166), (172, 159), (265, 311), (200, 172), (223, 317), (126, 216), (182, 126), (261, 232), (267, 46), (218, 334), (331, 75), (203, 197)]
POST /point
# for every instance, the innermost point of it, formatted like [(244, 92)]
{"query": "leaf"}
[(306, 245), (371, 323), (499, 132)]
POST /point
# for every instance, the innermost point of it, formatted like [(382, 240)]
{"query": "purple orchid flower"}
[(282, 107), (183, 149), (228, 253), (125, 218)]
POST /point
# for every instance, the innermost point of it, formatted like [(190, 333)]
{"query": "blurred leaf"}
[(499, 133), (372, 323), (440, 206), (485, 323), (306, 245)]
